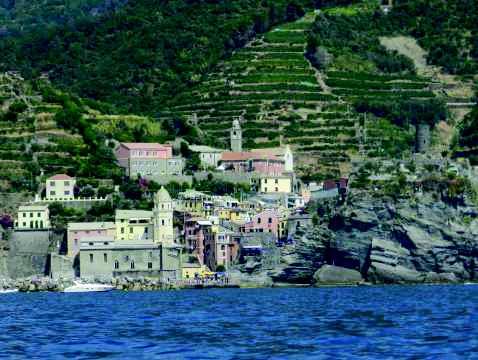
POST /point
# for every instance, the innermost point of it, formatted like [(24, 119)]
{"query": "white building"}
[(209, 156), (33, 217), (60, 187)]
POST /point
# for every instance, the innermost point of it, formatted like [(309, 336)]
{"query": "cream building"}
[(60, 187), (275, 184), (133, 225), (33, 217)]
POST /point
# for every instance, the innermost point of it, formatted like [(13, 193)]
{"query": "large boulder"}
[(330, 274)]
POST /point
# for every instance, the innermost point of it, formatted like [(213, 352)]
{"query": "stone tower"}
[(423, 137), (163, 218), (288, 160), (236, 136)]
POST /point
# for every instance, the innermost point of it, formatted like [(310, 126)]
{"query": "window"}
[(52, 193), (38, 214), (87, 231), (91, 244), (162, 222), (91, 258), (31, 224), (52, 183), (24, 214), (132, 265), (150, 265), (258, 220), (145, 230), (270, 220), (130, 230), (277, 181), (265, 181), (122, 230), (24, 224), (150, 254), (116, 264), (67, 183), (223, 247), (67, 192), (265, 189), (105, 258), (31, 215)]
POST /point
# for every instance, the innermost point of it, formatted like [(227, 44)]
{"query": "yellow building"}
[(275, 184), (192, 201), (163, 218), (134, 225), (33, 217), (191, 271)]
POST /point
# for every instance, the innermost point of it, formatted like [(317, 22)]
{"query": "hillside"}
[(21, 16), (146, 51), (44, 132)]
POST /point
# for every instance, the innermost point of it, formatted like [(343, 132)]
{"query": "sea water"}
[(389, 322)]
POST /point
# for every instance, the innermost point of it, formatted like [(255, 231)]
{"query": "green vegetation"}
[(466, 143), (139, 55), (447, 29)]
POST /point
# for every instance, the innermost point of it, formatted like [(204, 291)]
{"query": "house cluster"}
[(273, 169), (196, 233)]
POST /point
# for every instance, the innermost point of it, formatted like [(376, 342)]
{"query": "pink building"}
[(78, 231), (197, 234), (262, 163), (266, 221), (148, 159)]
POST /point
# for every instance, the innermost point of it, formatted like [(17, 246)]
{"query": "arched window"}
[(132, 265), (116, 264)]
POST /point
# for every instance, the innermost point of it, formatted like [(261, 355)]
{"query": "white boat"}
[(8, 291), (88, 287)]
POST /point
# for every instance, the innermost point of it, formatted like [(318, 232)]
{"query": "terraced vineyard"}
[(281, 99), (33, 145)]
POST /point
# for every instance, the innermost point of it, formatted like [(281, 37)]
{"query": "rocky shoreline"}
[(332, 276)]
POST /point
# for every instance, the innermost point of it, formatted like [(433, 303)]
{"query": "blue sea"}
[(390, 322)]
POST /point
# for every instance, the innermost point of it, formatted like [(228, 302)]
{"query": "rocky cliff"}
[(411, 240)]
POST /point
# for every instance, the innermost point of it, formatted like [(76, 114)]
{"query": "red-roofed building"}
[(60, 187), (151, 159), (262, 163)]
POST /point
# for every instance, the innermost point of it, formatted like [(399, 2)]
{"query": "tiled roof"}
[(91, 225), (156, 146), (61, 177), (244, 156)]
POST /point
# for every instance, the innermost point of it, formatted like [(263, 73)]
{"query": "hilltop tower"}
[(236, 136), (163, 218), (288, 160)]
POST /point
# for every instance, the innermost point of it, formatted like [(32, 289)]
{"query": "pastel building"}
[(77, 232), (220, 249), (275, 184), (209, 156), (266, 221), (148, 159), (197, 233), (243, 162), (32, 217), (60, 187), (163, 218), (134, 225)]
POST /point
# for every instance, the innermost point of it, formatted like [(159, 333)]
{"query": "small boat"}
[(88, 287), (8, 291)]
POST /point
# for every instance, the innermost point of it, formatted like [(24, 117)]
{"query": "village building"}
[(266, 221), (193, 202), (197, 233), (33, 217), (148, 159), (275, 184), (247, 162), (76, 232), (209, 156), (60, 188), (102, 258), (134, 225)]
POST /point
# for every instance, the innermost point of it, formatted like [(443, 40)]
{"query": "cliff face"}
[(409, 241)]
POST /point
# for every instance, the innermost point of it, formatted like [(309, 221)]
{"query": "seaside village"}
[(192, 237)]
